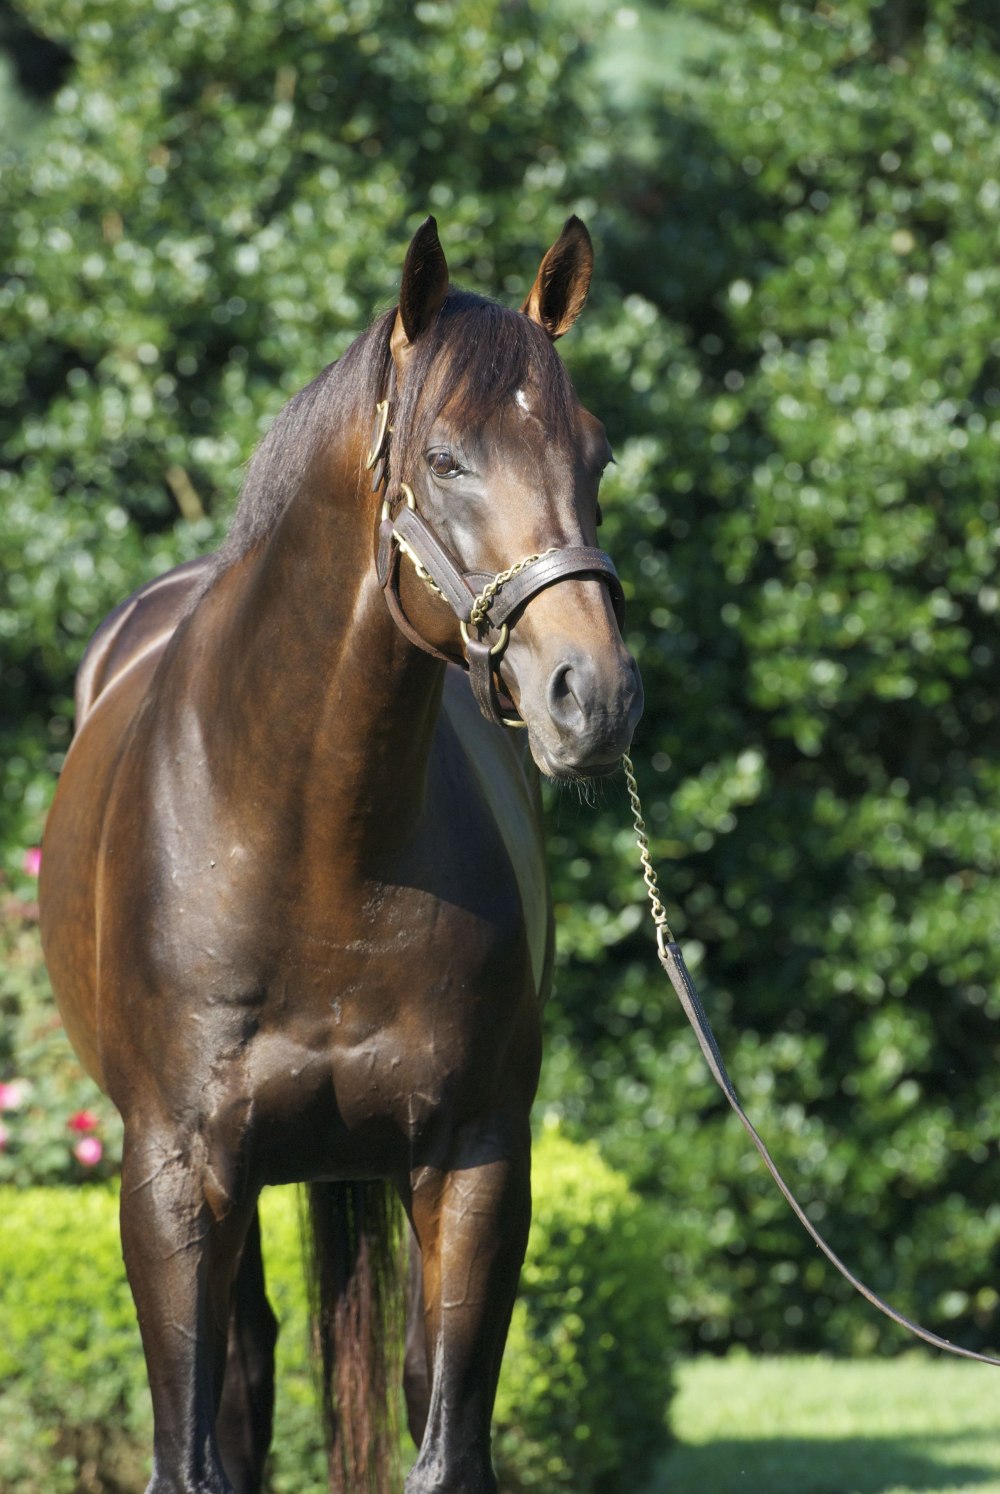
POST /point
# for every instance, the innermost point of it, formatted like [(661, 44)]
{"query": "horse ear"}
[(560, 289), (425, 283)]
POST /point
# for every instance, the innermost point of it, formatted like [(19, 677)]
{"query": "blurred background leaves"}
[(794, 339)]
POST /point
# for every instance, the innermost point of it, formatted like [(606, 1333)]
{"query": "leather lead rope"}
[(672, 960)]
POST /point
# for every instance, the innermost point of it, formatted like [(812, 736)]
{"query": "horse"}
[(293, 897)]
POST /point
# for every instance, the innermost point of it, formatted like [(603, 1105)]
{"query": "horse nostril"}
[(564, 707)]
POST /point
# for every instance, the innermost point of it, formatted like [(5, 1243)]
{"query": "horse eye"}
[(443, 464)]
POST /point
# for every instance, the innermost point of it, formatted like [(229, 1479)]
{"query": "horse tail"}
[(354, 1240)]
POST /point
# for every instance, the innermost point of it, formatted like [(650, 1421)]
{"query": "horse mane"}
[(473, 358), (340, 396), (479, 352)]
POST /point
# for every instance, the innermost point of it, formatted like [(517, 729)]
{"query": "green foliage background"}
[(794, 340)]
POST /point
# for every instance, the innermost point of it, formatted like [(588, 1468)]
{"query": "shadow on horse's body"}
[(293, 894)]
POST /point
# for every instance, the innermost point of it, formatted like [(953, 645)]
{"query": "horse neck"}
[(327, 707)]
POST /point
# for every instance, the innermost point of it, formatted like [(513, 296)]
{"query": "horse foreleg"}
[(471, 1219), (181, 1258), (246, 1416)]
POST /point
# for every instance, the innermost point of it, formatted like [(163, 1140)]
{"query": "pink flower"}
[(32, 861), (83, 1120), (13, 1094), (89, 1151)]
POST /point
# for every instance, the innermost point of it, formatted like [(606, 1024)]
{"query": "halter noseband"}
[(484, 603)]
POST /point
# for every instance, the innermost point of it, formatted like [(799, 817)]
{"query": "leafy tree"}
[(793, 342), (219, 202), (821, 664)]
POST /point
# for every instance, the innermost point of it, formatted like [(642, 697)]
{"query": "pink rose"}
[(89, 1151), (32, 861), (83, 1120), (13, 1094)]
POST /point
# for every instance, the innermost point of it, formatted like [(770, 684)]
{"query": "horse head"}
[(491, 479)]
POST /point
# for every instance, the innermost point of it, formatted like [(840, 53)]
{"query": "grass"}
[(912, 1425)]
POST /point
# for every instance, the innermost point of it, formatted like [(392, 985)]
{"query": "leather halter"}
[(485, 604)]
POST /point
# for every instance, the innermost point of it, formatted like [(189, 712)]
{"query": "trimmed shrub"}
[(74, 1409), (585, 1381), (587, 1378)]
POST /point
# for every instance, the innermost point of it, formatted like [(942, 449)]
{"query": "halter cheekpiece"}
[(484, 603)]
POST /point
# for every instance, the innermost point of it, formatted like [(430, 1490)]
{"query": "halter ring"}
[(500, 644)]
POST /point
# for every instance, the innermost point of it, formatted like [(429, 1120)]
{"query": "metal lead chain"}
[(658, 911), (420, 569), (483, 602)]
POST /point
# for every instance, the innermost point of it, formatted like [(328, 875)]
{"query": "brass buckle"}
[(411, 502), (380, 429)]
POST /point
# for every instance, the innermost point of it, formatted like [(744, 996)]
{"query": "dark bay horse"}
[(293, 896)]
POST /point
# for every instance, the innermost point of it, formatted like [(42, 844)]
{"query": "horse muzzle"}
[(580, 701)]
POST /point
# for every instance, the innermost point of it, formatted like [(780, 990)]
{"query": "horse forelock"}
[(472, 361)]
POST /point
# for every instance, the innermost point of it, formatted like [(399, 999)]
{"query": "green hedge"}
[(585, 1386), (587, 1374), (74, 1411)]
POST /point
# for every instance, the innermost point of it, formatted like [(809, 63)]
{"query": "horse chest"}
[(390, 1020), (378, 1075)]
